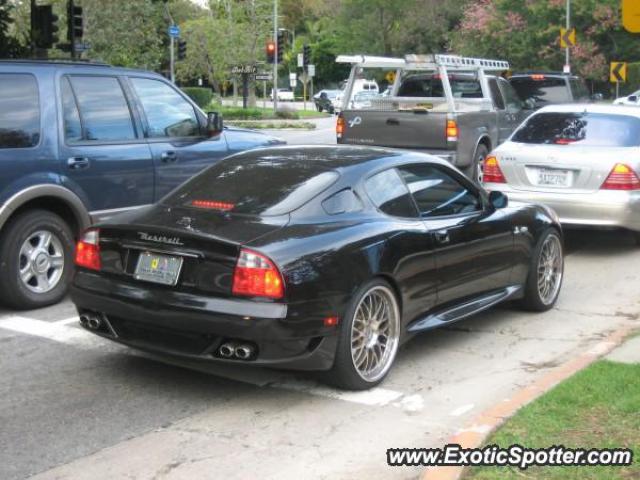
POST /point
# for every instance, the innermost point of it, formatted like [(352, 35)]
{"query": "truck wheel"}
[(475, 170), (36, 260)]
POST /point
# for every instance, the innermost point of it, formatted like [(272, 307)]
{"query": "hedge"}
[(202, 96)]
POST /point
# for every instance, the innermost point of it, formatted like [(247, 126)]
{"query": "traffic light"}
[(75, 22), (182, 49), (282, 43), (306, 55), (45, 26), (271, 51)]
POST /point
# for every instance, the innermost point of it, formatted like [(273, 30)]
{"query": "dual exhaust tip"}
[(92, 322), (241, 351)]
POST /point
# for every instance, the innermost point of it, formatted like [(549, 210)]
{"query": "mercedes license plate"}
[(156, 268), (553, 178)]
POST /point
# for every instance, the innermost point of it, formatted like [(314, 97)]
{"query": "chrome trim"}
[(102, 215)]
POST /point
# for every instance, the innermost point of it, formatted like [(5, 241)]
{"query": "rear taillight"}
[(492, 172), (88, 250), (452, 131), (622, 177), (339, 126), (256, 276)]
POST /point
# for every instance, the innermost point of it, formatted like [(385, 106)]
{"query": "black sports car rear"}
[(313, 258)]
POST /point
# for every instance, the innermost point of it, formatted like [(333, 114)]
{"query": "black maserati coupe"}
[(313, 258)]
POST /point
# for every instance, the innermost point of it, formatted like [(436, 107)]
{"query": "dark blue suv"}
[(80, 143)]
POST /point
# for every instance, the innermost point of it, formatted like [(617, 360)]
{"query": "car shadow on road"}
[(599, 243)]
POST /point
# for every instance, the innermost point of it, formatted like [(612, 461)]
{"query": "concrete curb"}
[(475, 433)]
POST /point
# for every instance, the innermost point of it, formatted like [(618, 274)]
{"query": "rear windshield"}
[(258, 186), (543, 91), (431, 86), (588, 129)]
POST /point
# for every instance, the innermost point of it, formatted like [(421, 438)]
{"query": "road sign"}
[(264, 77), (293, 79), (300, 60), (311, 70), (82, 47), (244, 69), (390, 76), (567, 37), (631, 15), (174, 31), (618, 72)]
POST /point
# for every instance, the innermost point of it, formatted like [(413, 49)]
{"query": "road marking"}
[(462, 410), (64, 331)]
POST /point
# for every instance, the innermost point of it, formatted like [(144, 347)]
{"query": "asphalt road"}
[(73, 406)]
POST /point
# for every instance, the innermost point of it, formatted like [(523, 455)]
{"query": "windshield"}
[(580, 128), (543, 90), (263, 186)]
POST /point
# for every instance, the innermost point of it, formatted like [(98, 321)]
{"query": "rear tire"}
[(368, 339), (545, 273), (474, 171), (36, 260)]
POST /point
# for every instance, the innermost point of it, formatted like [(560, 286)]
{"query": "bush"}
[(287, 113), (202, 96), (239, 113)]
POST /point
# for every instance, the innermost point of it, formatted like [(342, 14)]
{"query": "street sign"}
[(264, 77), (390, 76), (300, 60), (566, 68), (618, 72), (567, 37), (82, 47), (293, 79), (631, 15), (244, 69), (311, 70), (174, 31)]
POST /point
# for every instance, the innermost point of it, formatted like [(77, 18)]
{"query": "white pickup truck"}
[(446, 105), (284, 95)]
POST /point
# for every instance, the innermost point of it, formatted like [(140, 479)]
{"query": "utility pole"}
[(172, 60), (275, 58), (566, 60)]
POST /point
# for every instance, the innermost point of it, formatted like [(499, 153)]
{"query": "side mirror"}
[(214, 124), (632, 98), (498, 199), (530, 104)]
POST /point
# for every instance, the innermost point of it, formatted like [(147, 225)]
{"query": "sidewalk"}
[(628, 352)]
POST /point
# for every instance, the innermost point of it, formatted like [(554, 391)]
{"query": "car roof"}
[(80, 65), (336, 157), (592, 108)]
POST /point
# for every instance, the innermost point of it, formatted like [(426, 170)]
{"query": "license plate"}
[(163, 269), (553, 178)]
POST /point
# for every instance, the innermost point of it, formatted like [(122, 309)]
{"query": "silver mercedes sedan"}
[(583, 161)]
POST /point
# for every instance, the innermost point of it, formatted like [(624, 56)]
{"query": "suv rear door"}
[(175, 131), (104, 157)]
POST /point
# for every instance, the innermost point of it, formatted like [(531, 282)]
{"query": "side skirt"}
[(463, 310)]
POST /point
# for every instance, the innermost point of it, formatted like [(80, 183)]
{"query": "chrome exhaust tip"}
[(94, 322), (84, 320), (227, 350), (244, 351)]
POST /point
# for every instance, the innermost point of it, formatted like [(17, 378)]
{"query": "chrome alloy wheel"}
[(41, 262), (375, 332), (550, 269)]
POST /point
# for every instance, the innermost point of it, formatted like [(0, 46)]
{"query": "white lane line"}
[(462, 410), (64, 331)]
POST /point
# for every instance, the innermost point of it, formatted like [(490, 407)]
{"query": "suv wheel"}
[(36, 250)]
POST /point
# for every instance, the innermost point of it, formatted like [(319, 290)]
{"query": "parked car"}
[(633, 99), (362, 100), (441, 110), (80, 142), (546, 88), (336, 256), (359, 85), (324, 100), (581, 160), (284, 95)]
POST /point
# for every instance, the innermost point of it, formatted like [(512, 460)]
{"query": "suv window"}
[(496, 94), (431, 86), (511, 98), (103, 108), (578, 89), (437, 193), (542, 89), (580, 128), (19, 111), (168, 113), (389, 193), (70, 113)]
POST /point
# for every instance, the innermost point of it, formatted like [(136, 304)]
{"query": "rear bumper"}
[(604, 208), (194, 327)]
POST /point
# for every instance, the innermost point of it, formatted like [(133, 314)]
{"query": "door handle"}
[(169, 156), (441, 236), (78, 163)]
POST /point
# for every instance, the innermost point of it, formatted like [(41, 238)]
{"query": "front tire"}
[(369, 338), (545, 274), (36, 250)]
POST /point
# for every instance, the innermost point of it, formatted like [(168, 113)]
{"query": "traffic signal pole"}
[(567, 59), (172, 60), (275, 56)]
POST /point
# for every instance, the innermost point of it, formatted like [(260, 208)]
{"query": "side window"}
[(389, 193), (167, 112), (19, 111), (511, 98), (103, 107), (342, 202), (70, 113), (496, 95), (437, 193)]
